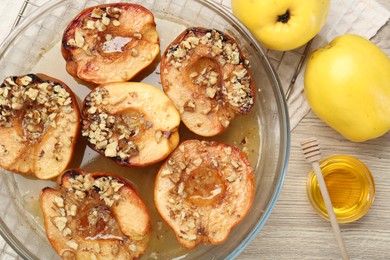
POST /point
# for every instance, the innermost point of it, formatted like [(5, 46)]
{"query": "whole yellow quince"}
[(347, 84), (282, 24)]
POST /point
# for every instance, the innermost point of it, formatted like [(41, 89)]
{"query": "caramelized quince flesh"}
[(135, 124), (39, 125), (95, 216), (207, 77), (203, 190), (110, 42)]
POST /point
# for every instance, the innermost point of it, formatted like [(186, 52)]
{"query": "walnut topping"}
[(134, 52), (105, 20), (228, 150), (133, 247), (159, 135), (79, 38), (210, 92), (97, 13), (138, 36), (191, 237), (232, 177), (166, 172), (96, 248), (66, 232), (41, 101), (108, 37), (235, 163), (60, 222), (197, 162), (68, 255), (111, 149), (236, 88), (113, 11), (59, 202), (72, 244), (90, 225), (71, 210), (24, 81), (112, 135), (108, 189), (89, 24), (189, 106), (101, 20), (189, 199)]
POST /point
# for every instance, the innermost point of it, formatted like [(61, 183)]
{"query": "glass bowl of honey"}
[(350, 185)]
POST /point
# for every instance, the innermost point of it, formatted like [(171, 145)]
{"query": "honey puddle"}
[(243, 132)]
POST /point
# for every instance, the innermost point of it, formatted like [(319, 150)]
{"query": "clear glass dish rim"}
[(285, 140)]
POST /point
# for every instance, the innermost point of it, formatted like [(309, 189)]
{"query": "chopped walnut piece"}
[(204, 194), (72, 244), (97, 13), (189, 106), (66, 232), (100, 26), (105, 20), (211, 92), (79, 39), (90, 25), (111, 149), (25, 80), (59, 202), (60, 222)]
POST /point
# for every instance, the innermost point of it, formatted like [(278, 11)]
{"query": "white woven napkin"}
[(362, 17)]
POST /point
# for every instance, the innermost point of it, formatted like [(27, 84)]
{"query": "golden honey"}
[(350, 185)]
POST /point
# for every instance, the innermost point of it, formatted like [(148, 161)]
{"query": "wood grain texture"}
[(295, 231)]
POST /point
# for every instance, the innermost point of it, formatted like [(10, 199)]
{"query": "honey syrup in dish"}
[(244, 132), (350, 185)]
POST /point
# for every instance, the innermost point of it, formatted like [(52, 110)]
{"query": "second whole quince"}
[(283, 24), (347, 84)]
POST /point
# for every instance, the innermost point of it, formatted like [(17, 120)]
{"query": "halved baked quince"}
[(135, 124), (110, 42), (203, 190), (207, 77), (39, 125), (95, 216)]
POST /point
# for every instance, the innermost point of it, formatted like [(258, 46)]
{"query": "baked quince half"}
[(110, 42), (203, 190), (95, 216), (207, 77), (133, 123), (39, 125)]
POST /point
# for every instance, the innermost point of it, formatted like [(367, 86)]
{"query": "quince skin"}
[(347, 84)]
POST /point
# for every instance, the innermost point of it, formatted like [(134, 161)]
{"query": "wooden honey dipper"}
[(312, 152)]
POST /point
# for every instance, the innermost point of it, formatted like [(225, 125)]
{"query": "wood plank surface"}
[(295, 231)]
